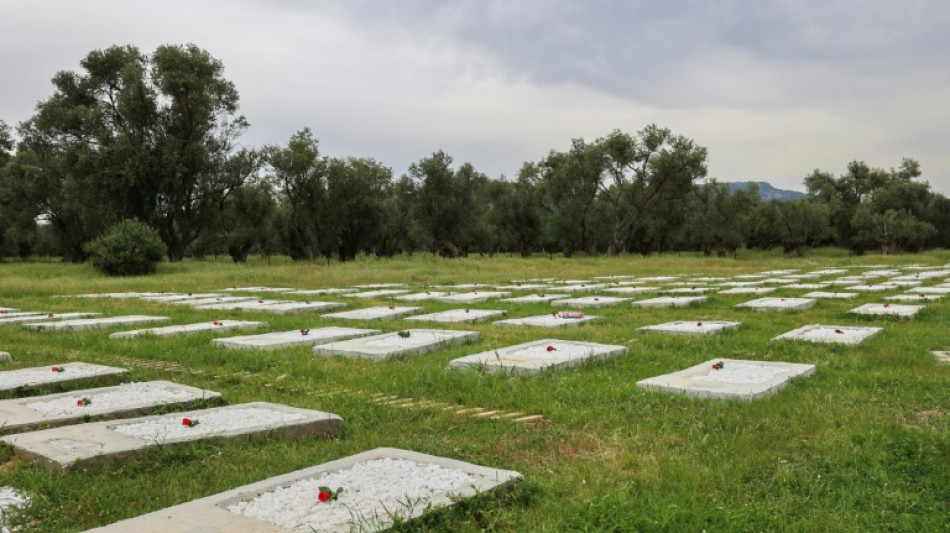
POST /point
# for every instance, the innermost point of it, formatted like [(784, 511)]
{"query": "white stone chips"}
[(729, 378)]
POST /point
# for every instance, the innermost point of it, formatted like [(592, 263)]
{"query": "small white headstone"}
[(830, 334), (729, 378), (536, 356), (832, 295), (375, 313), (590, 301), (552, 320), (748, 290), (898, 310), (670, 301), (472, 297), (535, 298), (379, 293), (410, 341), (458, 316), (698, 327), (778, 304)]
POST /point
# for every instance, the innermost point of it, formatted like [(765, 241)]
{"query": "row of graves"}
[(56, 431)]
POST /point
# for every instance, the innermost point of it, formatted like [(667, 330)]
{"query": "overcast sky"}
[(774, 89)]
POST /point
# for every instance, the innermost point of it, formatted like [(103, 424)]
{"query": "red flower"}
[(260, 301), (38, 329), (699, 324), (50, 315), (391, 307), (188, 423), (466, 310), (324, 496), (189, 293), (216, 323), (887, 305), (79, 402), (550, 348), (596, 299), (307, 302), (304, 331), (838, 331)]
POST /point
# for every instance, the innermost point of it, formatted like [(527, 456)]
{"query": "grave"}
[(688, 290), (852, 280), (931, 290), (807, 286), (290, 308), (631, 290), (897, 310), (748, 290), (421, 296), (900, 283), (729, 378), (738, 284), (379, 293), (464, 286), (535, 298), (590, 301), (830, 334), (615, 277), (832, 295), (670, 301), (11, 499), (318, 292), (198, 302), (386, 345), (458, 316), (80, 324), (942, 357), (380, 286), (115, 295), (176, 297), (582, 287), (698, 327), (121, 401), (536, 356), (72, 374), (525, 287), (375, 313), (381, 487), (200, 327), (241, 304), (778, 304), (42, 317), (914, 297), (830, 271), (80, 445), (259, 289), (5, 357), (472, 297), (868, 288), (552, 320), (297, 337), (658, 279)]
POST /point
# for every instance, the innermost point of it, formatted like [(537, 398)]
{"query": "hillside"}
[(767, 191)]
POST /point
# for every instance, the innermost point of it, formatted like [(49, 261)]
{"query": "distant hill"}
[(767, 191)]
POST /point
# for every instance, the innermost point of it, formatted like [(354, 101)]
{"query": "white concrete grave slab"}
[(931, 290), (658, 279), (537, 356), (297, 337), (259, 289), (396, 343), (240, 304), (777, 281), (897, 310), (739, 284), (687, 290), (463, 286), (582, 287), (807, 286), (199, 327), (590, 301), (535, 298), (8, 309), (421, 296), (575, 281), (943, 358), (44, 317), (380, 286), (319, 292), (175, 297), (7, 313), (914, 297), (901, 283), (459, 316), (121, 401), (379, 293), (80, 445), (850, 280), (751, 277), (748, 290), (697, 327), (778, 304), (835, 295), (729, 378), (670, 301), (66, 374), (563, 319), (116, 295), (830, 334), (802, 277), (198, 302), (782, 272), (472, 297), (830, 271), (80, 324), (375, 313), (381, 487), (631, 290), (291, 308), (615, 277), (868, 288), (525, 287)]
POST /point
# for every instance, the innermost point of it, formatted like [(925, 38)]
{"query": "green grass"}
[(862, 445)]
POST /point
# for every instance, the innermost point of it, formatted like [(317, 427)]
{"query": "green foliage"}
[(130, 248)]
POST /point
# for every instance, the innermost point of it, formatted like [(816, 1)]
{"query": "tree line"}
[(155, 137)]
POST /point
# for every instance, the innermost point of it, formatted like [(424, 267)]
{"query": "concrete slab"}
[(687, 290), (729, 378), (378, 485), (590, 301), (582, 287), (380, 286), (284, 339), (896, 310), (380, 293), (778, 304), (615, 277), (240, 304), (472, 297), (535, 298), (291, 308), (72, 374), (459, 316), (259, 289), (198, 302), (850, 280), (748, 290), (832, 295), (44, 317), (456, 287), (319, 292), (738, 284), (943, 358), (658, 279), (115, 295), (552, 320), (697, 327), (200, 327), (901, 283), (421, 296), (397, 343), (868, 288), (525, 287), (80, 324), (632, 290), (807, 286), (830, 271), (121, 401), (914, 297), (175, 297), (375, 313), (830, 334), (670, 301), (105, 442), (537, 356), (931, 290)]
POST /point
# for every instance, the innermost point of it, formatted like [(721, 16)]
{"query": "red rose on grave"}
[(50, 315), (838, 331), (188, 422), (189, 293), (549, 348), (887, 305), (466, 310), (304, 331), (38, 329), (216, 323), (307, 302), (324, 496), (391, 307), (596, 299), (699, 324), (554, 313), (260, 301)]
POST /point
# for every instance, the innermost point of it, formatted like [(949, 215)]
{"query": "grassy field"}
[(863, 445)]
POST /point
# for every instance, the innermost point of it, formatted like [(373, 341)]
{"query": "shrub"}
[(129, 248)]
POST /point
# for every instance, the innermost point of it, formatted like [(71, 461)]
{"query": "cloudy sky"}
[(774, 89)]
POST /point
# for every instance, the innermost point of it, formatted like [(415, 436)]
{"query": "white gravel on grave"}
[(742, 373), (373, 492), (415, 338), (213, 422), (10, 498), (45, 374), (124, 396)]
